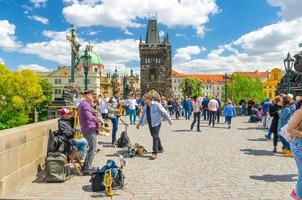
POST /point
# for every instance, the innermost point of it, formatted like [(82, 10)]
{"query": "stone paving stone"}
[(218, 163)]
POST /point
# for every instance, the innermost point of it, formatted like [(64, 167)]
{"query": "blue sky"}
[(207, 36)]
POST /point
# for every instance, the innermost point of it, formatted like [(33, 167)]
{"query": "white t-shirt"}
[(213, 105), (103, 106), (132, 103)]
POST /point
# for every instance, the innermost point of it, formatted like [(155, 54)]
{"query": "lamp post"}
[(86, 62), (288, 65), (225, 79)]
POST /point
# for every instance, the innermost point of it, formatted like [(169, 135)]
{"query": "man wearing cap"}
[(66, 130), (152, 115), (89, 124)]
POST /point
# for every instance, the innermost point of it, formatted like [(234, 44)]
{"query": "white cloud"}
[(40, 19), (7, 36), (290, 9), (2, 61), (161, 33), (117, 51), (261, 49), (186, 53), (39, 3), (122, 14), (57, 49), (34, 67)]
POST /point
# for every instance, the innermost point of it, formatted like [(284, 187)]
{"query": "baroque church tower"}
[(155, 62)]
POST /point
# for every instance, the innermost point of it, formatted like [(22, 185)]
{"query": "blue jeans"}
[(132, 116), (228, 120), (81, 145), (114, 129), (284, 142), (205, 114), (242, 111), (187, 113), (296, 148)]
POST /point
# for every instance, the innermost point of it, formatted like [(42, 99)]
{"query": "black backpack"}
[(97, 179), (123, 141)]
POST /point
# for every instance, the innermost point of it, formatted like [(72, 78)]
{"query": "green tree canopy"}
[(43, 106), (245, 87), (191, 87), (20, 93)]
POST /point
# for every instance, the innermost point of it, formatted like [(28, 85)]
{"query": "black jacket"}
[(66, 133), (274, 113)]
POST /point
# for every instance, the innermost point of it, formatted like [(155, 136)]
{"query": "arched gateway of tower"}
[(155, 62)]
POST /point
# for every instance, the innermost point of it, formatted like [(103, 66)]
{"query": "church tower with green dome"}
[(96, 65)]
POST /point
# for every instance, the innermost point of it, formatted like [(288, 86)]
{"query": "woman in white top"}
[(132, 109)]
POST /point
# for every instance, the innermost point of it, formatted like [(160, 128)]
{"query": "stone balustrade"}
[(22, 151)]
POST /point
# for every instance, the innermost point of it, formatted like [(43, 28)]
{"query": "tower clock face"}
[(153, 29)]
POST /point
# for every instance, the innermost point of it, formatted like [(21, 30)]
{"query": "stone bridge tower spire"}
[(155, 62)]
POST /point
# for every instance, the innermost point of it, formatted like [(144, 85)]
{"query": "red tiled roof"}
[(255, 74), (206, 78)]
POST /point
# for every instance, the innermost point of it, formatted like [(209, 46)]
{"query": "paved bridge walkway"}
[(218, 163)]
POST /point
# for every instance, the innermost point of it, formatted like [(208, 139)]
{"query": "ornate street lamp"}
[(288, 65), (86, 63), (225, 79)]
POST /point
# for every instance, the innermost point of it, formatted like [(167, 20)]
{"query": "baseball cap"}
[(65, 111)]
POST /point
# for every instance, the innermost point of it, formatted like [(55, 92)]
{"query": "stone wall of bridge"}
[(22, 151)]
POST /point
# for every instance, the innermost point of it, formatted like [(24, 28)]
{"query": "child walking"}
[(229, 113)]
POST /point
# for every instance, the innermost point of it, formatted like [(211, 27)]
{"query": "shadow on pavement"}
[(257, 152), (276, 178), (182, 130), (250, 128), (258, 140)]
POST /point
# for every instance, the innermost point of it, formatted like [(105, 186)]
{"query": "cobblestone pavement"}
[(215, 164)]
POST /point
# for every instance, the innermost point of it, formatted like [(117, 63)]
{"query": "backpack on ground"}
[(97, 178), (55, 167), (123, 141)]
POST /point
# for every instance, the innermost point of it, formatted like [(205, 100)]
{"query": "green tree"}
[(20, 93), (43, 106), (191, 87), (245, 87)]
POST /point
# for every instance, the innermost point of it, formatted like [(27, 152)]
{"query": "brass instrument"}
[(78, 134), (108, 183), (120, 110)]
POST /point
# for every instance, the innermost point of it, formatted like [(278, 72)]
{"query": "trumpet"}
[(78, 134), (108, 183)]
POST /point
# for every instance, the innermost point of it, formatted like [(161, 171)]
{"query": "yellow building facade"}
[(270, 84)]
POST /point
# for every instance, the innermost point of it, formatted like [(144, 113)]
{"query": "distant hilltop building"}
[(155, 62)]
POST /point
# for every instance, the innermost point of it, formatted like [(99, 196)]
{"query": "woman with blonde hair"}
[(294, 128)]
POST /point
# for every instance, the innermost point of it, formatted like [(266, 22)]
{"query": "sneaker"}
[(229, 126), (198, 130), (288, 154), (154, 156), (293, 195), (267, 137)]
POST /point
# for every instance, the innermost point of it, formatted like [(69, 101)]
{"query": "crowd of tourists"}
[(282, 118), (283, 114)]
